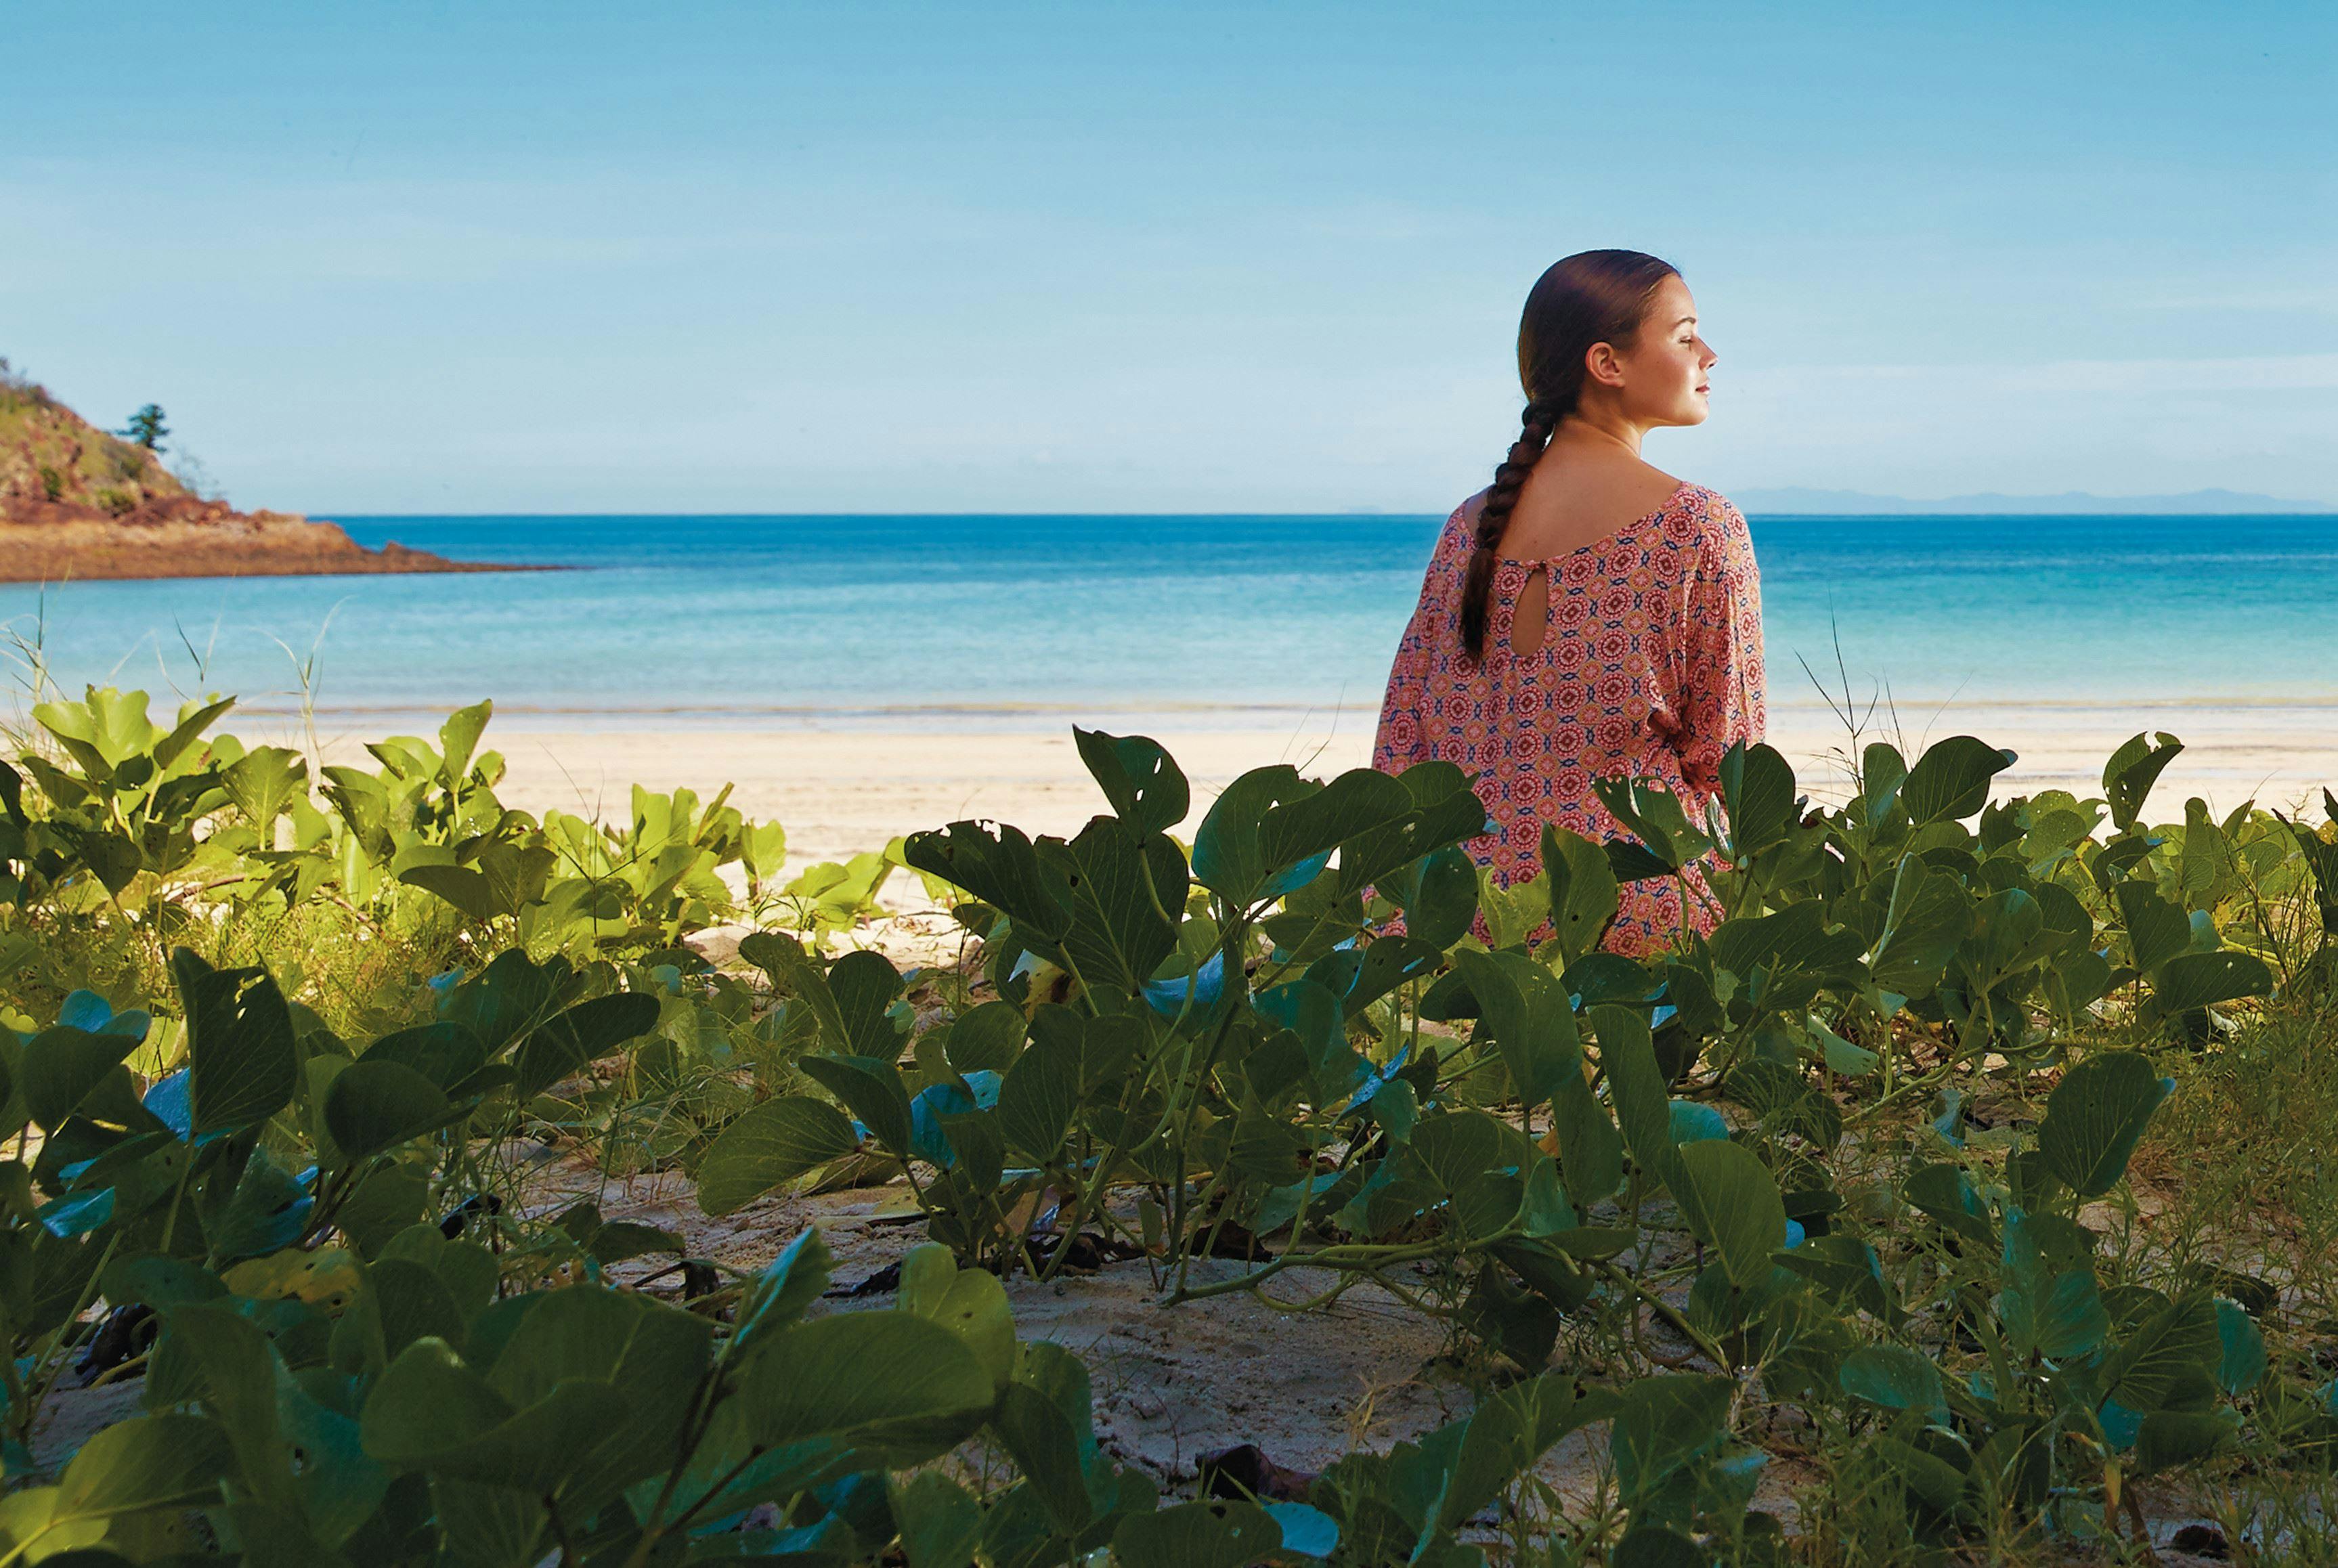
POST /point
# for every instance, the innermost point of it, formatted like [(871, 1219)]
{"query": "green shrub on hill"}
[(49, 453)]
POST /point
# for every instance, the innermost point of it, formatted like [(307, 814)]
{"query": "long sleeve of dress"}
[(1724, 699), (1405, 735)]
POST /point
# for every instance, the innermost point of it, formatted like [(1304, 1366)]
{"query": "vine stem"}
[(713, 1386), (1312, 1303), (1096, 1194), (559, 1529), (1931, 1080), (56, 1368), (1230, 941), (1411, 1299), (1667, 1311), (681, 1520), (1341, 1257)]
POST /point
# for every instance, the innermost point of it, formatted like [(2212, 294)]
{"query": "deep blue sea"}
[(1002, 618)]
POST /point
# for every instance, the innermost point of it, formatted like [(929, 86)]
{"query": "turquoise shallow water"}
[(984, 619)]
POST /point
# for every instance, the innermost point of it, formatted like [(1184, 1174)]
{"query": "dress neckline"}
[(1633, 526)]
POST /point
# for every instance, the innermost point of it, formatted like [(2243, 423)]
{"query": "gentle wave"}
[(974, 620)]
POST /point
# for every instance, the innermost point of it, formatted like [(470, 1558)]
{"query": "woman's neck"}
[(1598, 430)]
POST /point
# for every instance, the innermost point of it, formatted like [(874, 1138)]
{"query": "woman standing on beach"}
[(1588, 616)]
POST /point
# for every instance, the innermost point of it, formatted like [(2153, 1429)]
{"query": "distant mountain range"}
[(1858, 503)]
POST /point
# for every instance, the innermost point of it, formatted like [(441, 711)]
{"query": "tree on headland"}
[(146, 427)]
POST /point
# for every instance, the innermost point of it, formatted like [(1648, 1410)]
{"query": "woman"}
[(1588, 616)]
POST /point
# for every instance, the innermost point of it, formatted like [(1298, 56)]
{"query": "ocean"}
[(1022, 622)]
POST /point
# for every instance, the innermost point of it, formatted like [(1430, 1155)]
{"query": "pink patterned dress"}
[(1650, 666)]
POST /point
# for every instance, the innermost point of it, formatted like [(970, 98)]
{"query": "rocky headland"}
[(78, 502)]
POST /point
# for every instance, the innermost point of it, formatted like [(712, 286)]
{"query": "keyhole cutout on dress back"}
[(1530, 617)]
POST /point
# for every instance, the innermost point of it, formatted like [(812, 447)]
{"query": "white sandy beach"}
[(840, 789)]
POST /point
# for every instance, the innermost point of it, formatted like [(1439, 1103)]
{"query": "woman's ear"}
[(1602, 365)]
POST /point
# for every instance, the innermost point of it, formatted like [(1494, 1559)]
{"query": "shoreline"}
[(2276, 713), (52, 573), (839, 788), (178, 539)]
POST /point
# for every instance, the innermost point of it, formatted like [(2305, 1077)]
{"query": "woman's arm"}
[(1725, 700), (1402, 738)]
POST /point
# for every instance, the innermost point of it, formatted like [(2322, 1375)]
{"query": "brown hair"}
[(1591, 296)]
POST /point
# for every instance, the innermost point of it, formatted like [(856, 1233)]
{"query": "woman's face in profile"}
[(1667, 370)]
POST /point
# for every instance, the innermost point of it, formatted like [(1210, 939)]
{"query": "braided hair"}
[(1590, 298)]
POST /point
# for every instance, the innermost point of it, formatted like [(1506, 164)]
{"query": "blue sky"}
[(887, 257)]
